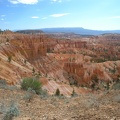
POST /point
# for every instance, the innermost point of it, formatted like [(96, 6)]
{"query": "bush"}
[(44, 94), (116, 98), (11, 112), (116, 86), (9, 58), (3, 82), (57, 93), (32, 83), (73, 93), (29, 94)]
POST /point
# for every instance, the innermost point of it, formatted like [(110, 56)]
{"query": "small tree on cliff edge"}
[(73, 93), (9, 58), (57, 93)]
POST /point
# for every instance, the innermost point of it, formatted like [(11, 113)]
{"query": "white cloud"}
[(56, 1), (59, 15), (14, 1), (44, 18), (3, 17), (35, 17), (23, 1)]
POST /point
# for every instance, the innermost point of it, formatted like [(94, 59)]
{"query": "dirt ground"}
[(97, 106)]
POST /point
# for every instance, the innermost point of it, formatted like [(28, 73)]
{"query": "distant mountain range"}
[(79, 30), (75, 30), (29, 31)]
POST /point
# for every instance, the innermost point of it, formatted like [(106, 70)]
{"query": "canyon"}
[(81, 63)]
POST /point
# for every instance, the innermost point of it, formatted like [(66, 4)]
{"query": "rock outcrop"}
[(60, 63)]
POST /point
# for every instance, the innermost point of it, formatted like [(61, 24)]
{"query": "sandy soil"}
[(97, 106)]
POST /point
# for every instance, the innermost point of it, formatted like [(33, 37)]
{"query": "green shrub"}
[(11, 112), (32, 83), (116, 86), (44, 94), (3, 82), (29, 95)]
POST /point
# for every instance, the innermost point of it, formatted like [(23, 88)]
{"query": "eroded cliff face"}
[(86, 74), (63, 64)]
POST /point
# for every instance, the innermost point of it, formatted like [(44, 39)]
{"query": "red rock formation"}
[(60, 62)]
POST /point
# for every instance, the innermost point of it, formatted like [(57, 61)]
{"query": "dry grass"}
[(88, 106)]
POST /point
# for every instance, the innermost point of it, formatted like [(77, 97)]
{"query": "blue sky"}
[(35, 14)]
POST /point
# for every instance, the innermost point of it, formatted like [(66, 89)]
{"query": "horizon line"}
[(64, 27)]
